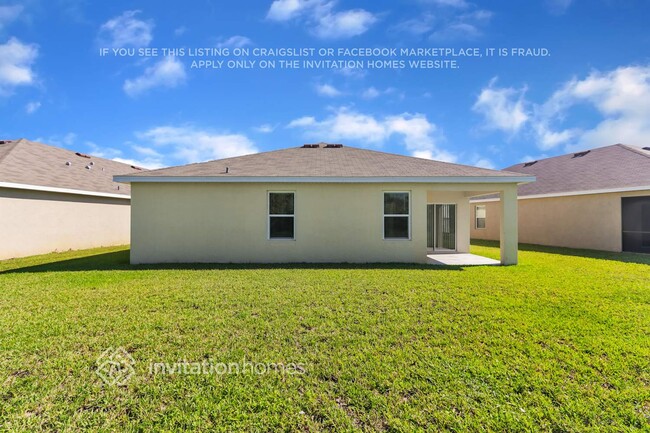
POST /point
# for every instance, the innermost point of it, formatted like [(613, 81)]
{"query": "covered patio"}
[(449, 218), (460, 259)]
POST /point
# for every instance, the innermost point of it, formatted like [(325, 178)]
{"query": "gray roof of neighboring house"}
[(610, 167), (321, 161), (27, 162)]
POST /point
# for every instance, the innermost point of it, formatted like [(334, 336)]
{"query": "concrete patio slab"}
[(460, 259)]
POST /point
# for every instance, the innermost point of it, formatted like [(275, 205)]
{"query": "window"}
[(480, 216), (281, 215), (397, 215)]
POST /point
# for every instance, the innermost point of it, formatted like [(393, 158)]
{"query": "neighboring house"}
[(53, 199), (315, 203), (598, 199)]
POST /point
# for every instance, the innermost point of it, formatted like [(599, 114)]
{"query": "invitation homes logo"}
[(115, 366)]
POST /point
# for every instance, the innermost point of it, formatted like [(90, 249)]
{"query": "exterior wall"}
[(492, 221), (583, 221), (33, 222), (222, 223)]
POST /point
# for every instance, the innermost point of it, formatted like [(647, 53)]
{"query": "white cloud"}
[(284, 10), (302, 122), (16, 61), (321, 18), (126, 31), (417, 134), (180, 31), (148, 163), (32, 107), (503, 108), (346, 24), (549, 139), (69, 138), (419, 25), (171, 145), (8, 14), (452, 3), (328, 90), (351, 72), (621, 97), (266, 128), (190, 144), (168, 72), (484, 163), (237, 41), (346, 124), (146, 151), (148, 158), (102, 152), (456, 31), (447, 20), (66, 140), (467, 26), (372, 92), (558, 6)]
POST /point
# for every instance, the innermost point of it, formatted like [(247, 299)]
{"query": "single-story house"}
[(53, 199), (315, 203), (597, 199)]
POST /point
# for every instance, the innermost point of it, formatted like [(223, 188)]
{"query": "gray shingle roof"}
[(324, 162), (27, 162), (611, 167)]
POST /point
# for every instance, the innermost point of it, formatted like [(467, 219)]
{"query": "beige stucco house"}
[(53, 199), (597, 199), (315, 203)]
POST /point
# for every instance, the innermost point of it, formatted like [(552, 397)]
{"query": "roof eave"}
[(12, 185), (570, 193), (324, 179)]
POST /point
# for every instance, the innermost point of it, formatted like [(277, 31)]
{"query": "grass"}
[(559, 343)]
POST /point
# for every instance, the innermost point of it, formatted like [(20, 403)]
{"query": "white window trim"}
[(476, 227), (384, 215), (269, 216)]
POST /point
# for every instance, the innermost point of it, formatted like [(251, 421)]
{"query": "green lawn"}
[(559, 343)]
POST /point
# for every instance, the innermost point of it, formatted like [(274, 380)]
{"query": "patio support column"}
[(509, 226)]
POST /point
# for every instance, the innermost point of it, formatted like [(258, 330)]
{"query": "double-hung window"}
[(397, 215), (480, 216), (282, 219)]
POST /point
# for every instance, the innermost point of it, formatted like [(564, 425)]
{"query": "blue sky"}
[(593, 90)]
